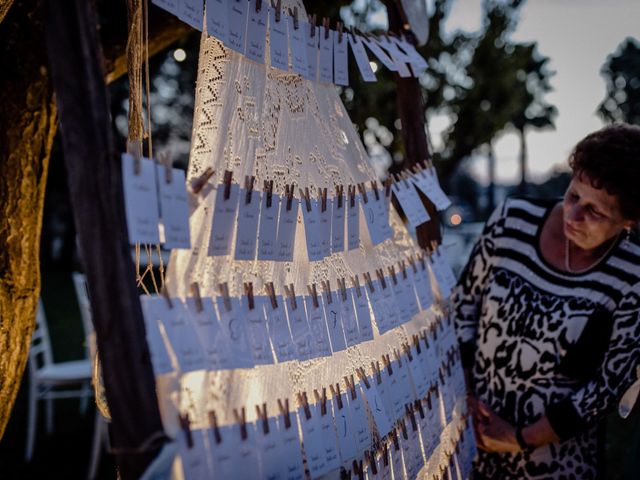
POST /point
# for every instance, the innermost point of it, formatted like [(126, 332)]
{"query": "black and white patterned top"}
[(547, 342)]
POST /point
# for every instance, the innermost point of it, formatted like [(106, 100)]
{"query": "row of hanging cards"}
[(334, 433), (317, 53)]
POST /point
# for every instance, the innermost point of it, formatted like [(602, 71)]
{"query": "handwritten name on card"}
[(326, 55), (298, 46), (224, 214), (174, 208), (340, 60), (268, 228), (278, 42), (237, 12), (257, 32), (140, 200), (247, 231), (217, 19)]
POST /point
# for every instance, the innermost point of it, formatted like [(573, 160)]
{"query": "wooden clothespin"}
[(351, 386), (321, 400), (277, 6), (268, 190), (304, 403), (367, 278), (228, 176), (312, 24), (198, 183), (412, 262), (339, 28), (418, 407), (411, 413), (327, 291), (165, 294), (387, 187), (403, 268), (339, 195), (428, 399), (407, 350), (185, 425), (248, 186), (356, 286), (392, 272), (398, 357), (248, 291), (363, 192), (305, 196), (223, 288), (258, 5), (423, 336), (165, 160), (351, 191), (441, 374), (363, 377), (262, 415), (386, 360), (322, 196), (375, 366), (284, 411), (370, 458), (422, 262), (326, 23), (403, 429), (289, 196), (416, 343), (313, 293), (272, 294), (394, 439), (294, 14), (357, 469), (241, 419), (291, 294), (381, 279), (213, 423), (343, 289), (195, 292), (385, 454), (335, 391), (374, 188)]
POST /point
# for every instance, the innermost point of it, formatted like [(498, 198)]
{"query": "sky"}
[(577, 36)]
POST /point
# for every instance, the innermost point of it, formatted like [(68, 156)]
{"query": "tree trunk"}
[(95, 187), (522, 188), (491, 165), (27, 128), (412, 117)]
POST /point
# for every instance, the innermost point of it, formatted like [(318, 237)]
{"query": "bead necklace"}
[(567, 261)]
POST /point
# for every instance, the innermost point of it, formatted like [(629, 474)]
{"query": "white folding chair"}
[(49, 380)]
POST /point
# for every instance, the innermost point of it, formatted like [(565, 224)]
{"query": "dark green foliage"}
[(621, 71)]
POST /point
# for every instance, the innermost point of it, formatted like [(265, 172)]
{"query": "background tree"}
[(621, 72)]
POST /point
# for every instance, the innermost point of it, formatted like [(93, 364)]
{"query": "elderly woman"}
[(547, 315)]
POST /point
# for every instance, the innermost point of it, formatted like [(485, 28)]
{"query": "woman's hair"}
[(610, 159)]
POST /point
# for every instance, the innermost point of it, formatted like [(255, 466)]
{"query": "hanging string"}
[(145, 5)]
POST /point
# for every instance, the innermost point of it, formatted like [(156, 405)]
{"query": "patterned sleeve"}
[(617, 372), (467, 296)]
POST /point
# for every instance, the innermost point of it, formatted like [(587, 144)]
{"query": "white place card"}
[(376, 406), (298, 46), (140, 200), (224, 214), (247, 221), (390, 303), (292, 463), (268, 227), (397, 463), (192, 13), (237, 12), (332, 313), (312, 230), (418, 375), (212, 338), (427, 181), (279, 330), (299, 327), (411, 204), (325, 62), (423, 425), (380, 54), (434, 422), (379, 308), (358, 415), (418, 63), (432, 360), (312, 44), (257, 332), (318, 327), (330, 438), (337, 224), (442, 272), (409, 292), (348, 315), (402, 309), (359, 53), (364, 316), (345, 428), (313, 441), (411, 447), (271, 449), (183, 338), (384, 466), (394, 400), (257, 31), (324, 224), (174, 208), (401, 369), (353, 223), (287, 229), (376, 215), (193, 458), (398, 57), (278, 42), (422, 285), (153, 307), (171, 6), (218, 19), (233, 324), (340, 59)]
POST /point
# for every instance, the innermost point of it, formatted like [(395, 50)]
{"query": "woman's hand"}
[(493, 434)]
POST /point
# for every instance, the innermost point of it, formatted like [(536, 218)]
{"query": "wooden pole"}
[(95, 187), (412, 118)]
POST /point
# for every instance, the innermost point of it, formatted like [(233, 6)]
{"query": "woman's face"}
[(591, 215)]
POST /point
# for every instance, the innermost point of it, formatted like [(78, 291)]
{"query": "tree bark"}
[(412, 117), (27, 129), (491, 165), (522, 188), (95, 186)]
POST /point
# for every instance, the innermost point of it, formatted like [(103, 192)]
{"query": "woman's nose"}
[(576, 213)]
